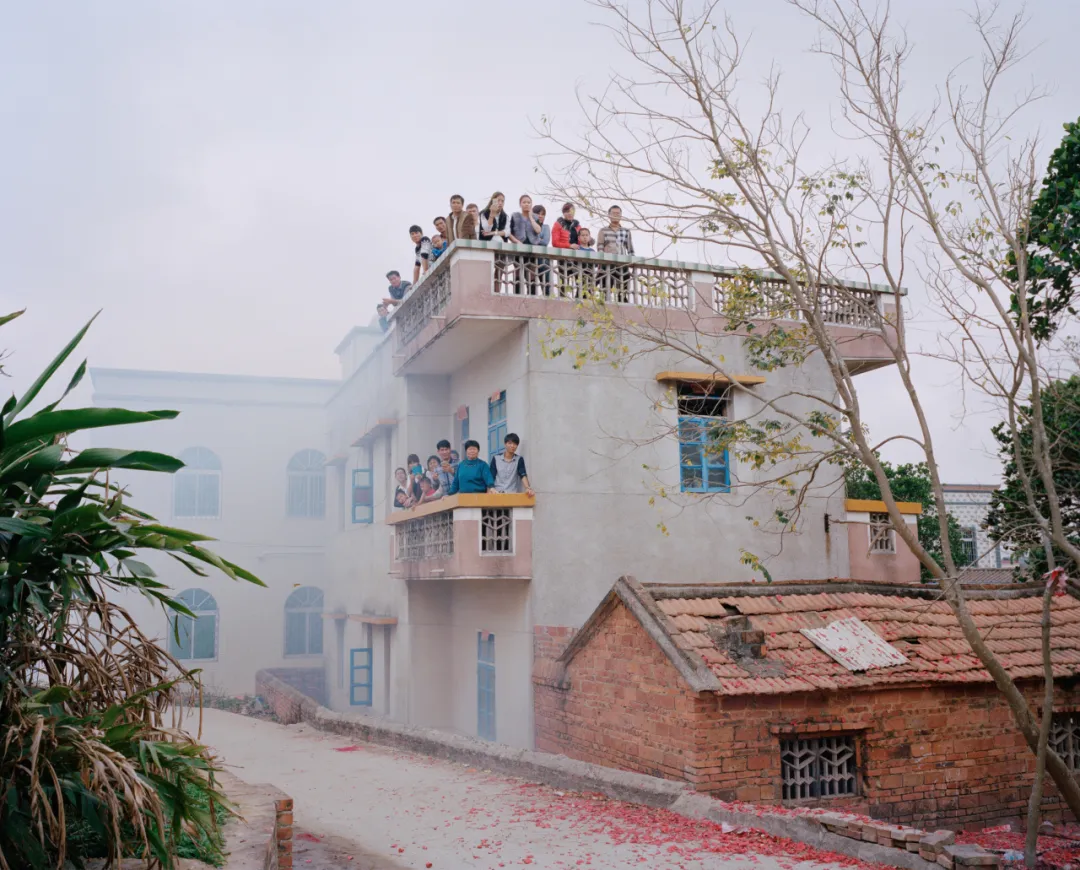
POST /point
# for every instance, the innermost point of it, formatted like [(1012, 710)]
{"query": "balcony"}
[(464, 537), (478, 293)]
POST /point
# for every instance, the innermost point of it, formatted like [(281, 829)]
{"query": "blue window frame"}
[(703, 414), (360, 677), (363, 510), (496, 423), (485, 685)]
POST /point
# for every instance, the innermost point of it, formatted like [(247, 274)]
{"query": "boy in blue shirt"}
[(473, 474)]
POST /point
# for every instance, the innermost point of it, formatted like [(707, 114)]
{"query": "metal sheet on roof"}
[(855, 645)]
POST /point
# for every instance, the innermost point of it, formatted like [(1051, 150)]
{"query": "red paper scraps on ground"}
[(353, 748)]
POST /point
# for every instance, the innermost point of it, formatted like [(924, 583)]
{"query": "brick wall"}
[(279, 850), (308, 681), (937, 756), (287, 701)]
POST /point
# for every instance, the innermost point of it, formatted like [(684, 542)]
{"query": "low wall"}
[(565, 773), (310, 682)]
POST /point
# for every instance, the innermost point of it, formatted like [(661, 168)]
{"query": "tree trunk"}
[(1035, 803)]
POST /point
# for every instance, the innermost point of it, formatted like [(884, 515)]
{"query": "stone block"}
[(937, 841), (971, 856), (945, 861)]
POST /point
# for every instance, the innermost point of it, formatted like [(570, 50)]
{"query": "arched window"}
[(303, 622), (307, 485), (197, 486), (194, 637)]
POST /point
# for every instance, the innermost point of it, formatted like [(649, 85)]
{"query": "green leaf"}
[(77, 419), (50, 369), (111, 457), (139, 569), (22, 527), (76, 379)]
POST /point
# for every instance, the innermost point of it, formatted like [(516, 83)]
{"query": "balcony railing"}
[(498, 284), (467, 535), (428, 300), (520, 270)]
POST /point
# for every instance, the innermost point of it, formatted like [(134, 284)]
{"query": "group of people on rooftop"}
[(446, 474), (492, 224)]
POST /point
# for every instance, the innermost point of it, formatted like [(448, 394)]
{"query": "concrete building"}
[(435, 616), (970, 504)]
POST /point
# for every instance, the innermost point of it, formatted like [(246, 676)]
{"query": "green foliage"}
[(84, 695), (1054, 240), (1009, 520), (910, 482)]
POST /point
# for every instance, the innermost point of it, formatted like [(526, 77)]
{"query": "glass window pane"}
[(691, 454), (315, 627), (690, 478), (295, 633), (180, 637), (209, 494), (718, 477), (205, 646), (691, 429), (184, 501)]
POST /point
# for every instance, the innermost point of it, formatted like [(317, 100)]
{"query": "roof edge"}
[(657, 625)]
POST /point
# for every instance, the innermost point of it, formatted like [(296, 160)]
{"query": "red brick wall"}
[(308, 681), (285, 700), (939, 756)]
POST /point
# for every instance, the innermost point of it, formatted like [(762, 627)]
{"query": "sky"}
[(229, 182)]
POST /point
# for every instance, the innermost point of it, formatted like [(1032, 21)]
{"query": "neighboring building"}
[(970, 504), (722, 686), (435, 616), (254, 480)]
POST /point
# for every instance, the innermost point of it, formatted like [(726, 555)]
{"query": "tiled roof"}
[(922, 628)]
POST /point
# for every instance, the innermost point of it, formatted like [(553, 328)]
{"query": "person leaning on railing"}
[(473, 474)]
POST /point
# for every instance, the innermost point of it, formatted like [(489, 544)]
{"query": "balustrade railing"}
[(553, 275), (771, 299), (428, 300), (428, 537)]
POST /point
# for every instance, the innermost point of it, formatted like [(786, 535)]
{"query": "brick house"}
[(719, 686)]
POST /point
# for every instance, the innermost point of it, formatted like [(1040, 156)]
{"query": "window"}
[(703, 460), (882, 536), (1065, 738), (496, 422), (496, 530), (485, 685), (464, 430), (197, 486), (969, 544), (193, 638), (303, 622), (363, 510), (306, 495), (818, 767)]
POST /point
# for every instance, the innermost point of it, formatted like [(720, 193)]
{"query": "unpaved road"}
[(419, 812)]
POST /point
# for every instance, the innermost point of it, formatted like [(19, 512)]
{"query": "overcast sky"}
[(229, 181)]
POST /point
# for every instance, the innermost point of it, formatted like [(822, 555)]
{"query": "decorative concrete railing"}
[(465, 535), (522, 270), (841, 306), (427, 300), (480, 280)]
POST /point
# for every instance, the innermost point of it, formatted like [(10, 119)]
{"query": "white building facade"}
[(433, 616)]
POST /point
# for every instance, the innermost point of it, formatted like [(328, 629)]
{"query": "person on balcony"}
[(564, 232), (440, 227), (494, 222), (473, 474), (616, 239), (438, 247), (403, 496), (584, 236), (383, 313), (422, 251), (539, 214), (508, 468), (447, 464), (397, 289), (460, 224), (434, 476), (473, 210), (428, 492), (524, 228)]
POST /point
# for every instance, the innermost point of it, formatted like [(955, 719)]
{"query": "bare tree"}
[(940, 195)]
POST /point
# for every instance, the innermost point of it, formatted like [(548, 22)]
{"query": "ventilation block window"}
[(1065, 738), (818, 767)]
